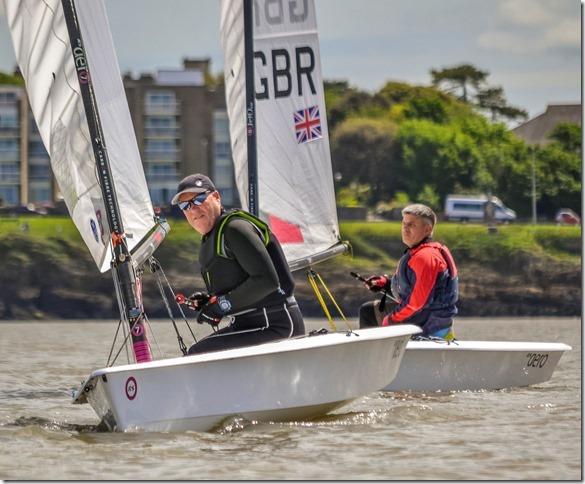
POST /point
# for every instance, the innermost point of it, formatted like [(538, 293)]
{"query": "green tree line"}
[(420, 143)]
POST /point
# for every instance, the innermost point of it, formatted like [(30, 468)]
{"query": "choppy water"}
[(531, 433)]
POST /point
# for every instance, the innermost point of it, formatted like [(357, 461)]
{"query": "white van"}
[(472, 207)]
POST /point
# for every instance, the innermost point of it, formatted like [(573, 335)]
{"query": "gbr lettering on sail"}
[(285, 54)]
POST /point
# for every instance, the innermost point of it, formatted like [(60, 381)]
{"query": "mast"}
[(253, 204), (126, 283)]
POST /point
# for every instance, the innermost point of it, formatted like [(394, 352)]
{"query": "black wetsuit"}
[(241, 259)]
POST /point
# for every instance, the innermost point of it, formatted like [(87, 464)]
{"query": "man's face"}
[(414, 229), (202, 217)]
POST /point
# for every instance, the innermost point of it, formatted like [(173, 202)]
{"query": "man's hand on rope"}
[(215, 309), (378, 283)]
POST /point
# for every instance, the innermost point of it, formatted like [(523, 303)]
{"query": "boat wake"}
[(54, 425)]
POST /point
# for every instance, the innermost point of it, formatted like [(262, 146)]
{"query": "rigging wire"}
[(158, 268), (153, 335)]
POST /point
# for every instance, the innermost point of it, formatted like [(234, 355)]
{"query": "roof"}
[(537, 130)]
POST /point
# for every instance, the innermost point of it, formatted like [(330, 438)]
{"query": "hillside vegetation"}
[(47, 272)]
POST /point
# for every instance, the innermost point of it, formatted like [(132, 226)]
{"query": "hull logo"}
[(131, 388)]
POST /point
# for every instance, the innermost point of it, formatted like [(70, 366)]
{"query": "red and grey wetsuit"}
[(426, 286)]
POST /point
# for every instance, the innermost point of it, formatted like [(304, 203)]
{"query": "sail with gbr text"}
[(295, 181)]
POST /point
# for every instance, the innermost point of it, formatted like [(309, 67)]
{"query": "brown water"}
[(527, 433)]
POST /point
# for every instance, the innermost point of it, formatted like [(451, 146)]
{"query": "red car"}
[(565, 216)]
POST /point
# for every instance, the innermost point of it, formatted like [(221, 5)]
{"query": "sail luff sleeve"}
[(253, 196)]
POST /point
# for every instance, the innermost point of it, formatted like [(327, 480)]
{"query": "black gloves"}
[(199, 299), (194, 301), (215, 309)]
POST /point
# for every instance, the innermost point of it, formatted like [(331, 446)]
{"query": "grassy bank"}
[(46, 271)]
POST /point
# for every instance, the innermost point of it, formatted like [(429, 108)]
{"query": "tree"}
[(12, 79), (362, 151), (459, 78), (493, 100), (568, 135)]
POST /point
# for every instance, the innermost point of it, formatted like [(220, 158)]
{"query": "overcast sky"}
[(532, 48)]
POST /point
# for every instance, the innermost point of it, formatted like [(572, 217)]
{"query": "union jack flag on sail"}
[(308, 124)]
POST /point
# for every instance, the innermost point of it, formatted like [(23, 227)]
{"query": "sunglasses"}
[(195, 201)]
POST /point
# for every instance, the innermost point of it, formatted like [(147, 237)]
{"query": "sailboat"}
[(438, 365), (278, 149), (67, 58)]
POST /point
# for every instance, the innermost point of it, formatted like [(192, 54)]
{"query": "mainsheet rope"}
[(313, 277)]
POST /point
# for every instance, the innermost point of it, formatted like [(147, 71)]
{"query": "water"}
[(532, 433)]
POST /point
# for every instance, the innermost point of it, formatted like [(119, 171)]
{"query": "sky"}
[(532, 48)]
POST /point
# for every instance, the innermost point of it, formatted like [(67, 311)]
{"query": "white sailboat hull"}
[(430, 366), (286, 380)]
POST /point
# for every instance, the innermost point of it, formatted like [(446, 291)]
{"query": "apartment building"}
[(24, 164), (181, 127)]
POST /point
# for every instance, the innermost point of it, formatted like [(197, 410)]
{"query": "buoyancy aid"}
[(221, 270)]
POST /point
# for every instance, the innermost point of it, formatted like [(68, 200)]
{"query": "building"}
[(181, 127), (538, 129), (25, 175)]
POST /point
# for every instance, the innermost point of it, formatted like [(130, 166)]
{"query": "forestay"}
[(295, 189), (44, 54)]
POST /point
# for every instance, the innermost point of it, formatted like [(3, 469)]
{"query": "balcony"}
[(166, 109), (166, 156), (9, 178), (11, 156), (174, 133)]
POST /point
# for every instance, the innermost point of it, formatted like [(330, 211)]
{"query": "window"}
[(39, 172), (9, 150), (223, 150), (9, 172), (8, 121), (7, 97), (36, 149), (39, 195), (161, 122), (220, 122), (9, 195), (473, 207), (160, 97)]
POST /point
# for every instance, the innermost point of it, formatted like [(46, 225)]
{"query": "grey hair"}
[(422, 211)]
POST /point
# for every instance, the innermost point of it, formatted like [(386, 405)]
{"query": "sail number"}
[(286, 72), (278, 12), (536, 360)]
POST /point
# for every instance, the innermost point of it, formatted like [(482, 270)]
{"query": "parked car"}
[(473, 207), (566, 216)]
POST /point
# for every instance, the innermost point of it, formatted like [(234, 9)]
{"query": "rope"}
[(170, 288), (155, 268), (153, 336), (311, 278), (114, 342), (331, 297)]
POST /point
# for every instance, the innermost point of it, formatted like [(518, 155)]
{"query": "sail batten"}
[(295, 179)]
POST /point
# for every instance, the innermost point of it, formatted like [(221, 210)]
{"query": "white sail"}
[(45, 57), (295, 188)]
